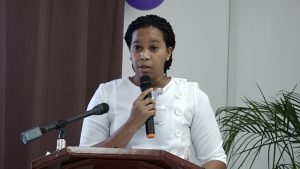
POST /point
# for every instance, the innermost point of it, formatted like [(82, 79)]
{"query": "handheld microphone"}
[(145, 83), (37, 132)]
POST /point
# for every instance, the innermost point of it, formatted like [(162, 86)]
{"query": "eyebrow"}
[(136, 41), (151, 41), (155, 41)]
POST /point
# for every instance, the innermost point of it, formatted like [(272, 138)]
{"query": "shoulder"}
[(191, 87), (185, 82), (115, 83), (105, 89)]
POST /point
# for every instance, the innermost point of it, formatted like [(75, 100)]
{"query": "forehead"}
[(147, 34)]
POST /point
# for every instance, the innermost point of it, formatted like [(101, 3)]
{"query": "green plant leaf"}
[(269, 124)]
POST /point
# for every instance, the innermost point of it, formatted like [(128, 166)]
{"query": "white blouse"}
[(185, 123)]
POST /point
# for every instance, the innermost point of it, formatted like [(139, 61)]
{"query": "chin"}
[(144, 74)]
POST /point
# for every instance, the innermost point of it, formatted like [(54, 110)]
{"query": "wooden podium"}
[(111, 158)]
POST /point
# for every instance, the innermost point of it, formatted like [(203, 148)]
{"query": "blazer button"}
[(178, 95), (178, 112), (177, 81), (178, 133)]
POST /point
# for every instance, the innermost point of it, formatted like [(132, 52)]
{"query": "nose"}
[(144, 55)]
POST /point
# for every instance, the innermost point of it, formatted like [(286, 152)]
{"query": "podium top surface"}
[(68, 155)]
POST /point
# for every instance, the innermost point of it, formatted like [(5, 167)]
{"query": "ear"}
[(170, 51)]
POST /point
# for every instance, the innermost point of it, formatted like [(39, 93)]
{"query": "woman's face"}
[(148, 52)]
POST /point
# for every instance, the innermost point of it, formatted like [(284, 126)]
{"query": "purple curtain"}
[(53, 55)]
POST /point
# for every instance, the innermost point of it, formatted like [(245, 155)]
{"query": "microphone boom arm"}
[(35, 133)]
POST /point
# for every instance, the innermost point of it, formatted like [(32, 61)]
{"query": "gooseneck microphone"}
[(37, 132), (145, 83)]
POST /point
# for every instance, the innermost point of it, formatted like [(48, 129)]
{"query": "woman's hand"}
[(142, 109)]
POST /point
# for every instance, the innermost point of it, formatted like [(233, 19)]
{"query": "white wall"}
[(264, 48), (201, 51)]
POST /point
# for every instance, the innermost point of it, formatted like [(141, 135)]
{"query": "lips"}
[(144, 68)]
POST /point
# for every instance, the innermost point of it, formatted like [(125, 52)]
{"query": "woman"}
[(185, 124)]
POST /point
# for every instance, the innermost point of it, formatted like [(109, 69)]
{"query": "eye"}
[(136, 47), (154, 48)]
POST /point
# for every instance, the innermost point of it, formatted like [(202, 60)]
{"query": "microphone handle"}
[(150, 127), (149, 124), (145, 83)]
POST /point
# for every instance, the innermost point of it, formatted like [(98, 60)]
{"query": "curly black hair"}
[(158, 22)]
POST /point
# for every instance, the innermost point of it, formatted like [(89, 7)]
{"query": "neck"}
[(156, 83)]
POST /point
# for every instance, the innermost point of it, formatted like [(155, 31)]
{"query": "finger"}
[(144, 94), (148, 101), (150, 107), (152, 112)]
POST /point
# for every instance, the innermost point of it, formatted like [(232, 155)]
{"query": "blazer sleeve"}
[(95, 128), (205, 133)]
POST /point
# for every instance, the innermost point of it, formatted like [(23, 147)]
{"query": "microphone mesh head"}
[(101, 109), (145, 82), (145, 78), (105, 107)]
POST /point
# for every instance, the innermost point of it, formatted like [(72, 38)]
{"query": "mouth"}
[(144, 68)]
